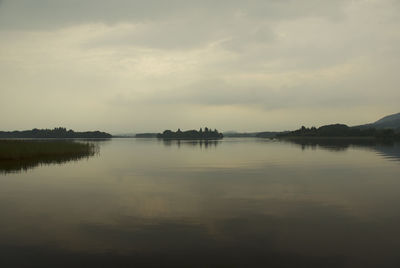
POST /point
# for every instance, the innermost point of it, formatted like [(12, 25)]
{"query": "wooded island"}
[(207, 134)]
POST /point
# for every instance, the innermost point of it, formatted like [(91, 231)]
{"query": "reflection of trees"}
[(385, 148), (331, 145), (337, 144), (19, 155), (191, 143), (389, 152)]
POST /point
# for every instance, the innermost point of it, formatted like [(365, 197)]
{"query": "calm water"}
[(235, 203)]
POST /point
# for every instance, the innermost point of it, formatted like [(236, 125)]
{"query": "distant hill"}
[(146, 135), (388, 122), (269, 134), (56, 133), (234, 134), (264, 134)]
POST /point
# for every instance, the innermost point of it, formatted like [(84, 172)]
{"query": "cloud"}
[(174, 24), (252, 59), (58, 13)]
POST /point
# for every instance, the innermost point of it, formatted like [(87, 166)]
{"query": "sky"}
[(144, 66)]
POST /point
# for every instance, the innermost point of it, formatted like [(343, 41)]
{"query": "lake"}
[(232, 203)]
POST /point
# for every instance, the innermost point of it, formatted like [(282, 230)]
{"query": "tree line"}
[(58, 132), (340, 130)]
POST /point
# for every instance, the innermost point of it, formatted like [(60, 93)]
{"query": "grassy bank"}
[(16, 155)]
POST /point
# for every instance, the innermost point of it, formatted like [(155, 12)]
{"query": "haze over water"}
[(235, 202)]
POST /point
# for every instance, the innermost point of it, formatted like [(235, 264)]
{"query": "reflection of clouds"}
[(306, 235), (247, 203), (239, 239)]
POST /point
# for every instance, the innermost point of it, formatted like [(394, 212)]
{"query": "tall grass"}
[(18, 155)]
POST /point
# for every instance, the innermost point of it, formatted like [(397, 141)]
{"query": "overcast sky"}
[(135, 66)]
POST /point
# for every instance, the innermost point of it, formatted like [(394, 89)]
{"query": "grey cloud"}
[(181, 34), (284, 9), (219, 93), (169, 35), (137, 55), (269, 98), (45, 14), (252, 34), (175, 24)]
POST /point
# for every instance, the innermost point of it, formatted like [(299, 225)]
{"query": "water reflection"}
[(244, 204), (206, 144), (12, 166), (251, 240), (387, 149)]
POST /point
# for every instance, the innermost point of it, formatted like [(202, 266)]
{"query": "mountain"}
[(234, 134), (268, 134), (391, 121), (146, 135), (264, 134)]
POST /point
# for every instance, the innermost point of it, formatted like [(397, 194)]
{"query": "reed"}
[(16, 155)]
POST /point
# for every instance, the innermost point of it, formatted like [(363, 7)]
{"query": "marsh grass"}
[(17, 155)]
